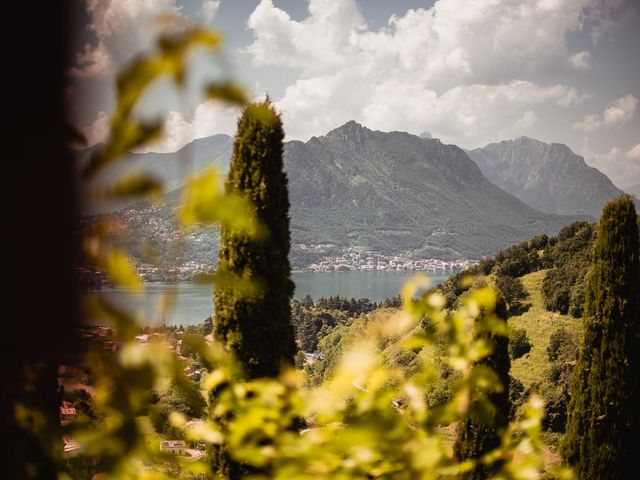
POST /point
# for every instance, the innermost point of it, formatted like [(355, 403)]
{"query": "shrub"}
[(519, 343), (512, 289), (563, 345)]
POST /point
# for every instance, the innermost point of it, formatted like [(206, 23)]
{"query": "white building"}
[(177, 447)]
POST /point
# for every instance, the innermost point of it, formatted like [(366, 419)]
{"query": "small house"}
[(177, 447)]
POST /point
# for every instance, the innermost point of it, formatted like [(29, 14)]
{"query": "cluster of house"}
[(183, 272), (312, 357), (103, 336), (357, 260)]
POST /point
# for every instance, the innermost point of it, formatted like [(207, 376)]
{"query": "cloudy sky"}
[(468, 72)]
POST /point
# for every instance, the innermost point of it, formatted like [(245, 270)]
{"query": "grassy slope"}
[(539, 325), (530, 369)]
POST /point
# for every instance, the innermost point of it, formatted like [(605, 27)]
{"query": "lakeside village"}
[(355, 259), (359, 259)]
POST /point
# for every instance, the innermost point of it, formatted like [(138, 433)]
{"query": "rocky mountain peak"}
[(548, 177), (351, 132)]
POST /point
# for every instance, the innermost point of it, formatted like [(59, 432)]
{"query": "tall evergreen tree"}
[(603, 425), (481, 431), (258, 329)]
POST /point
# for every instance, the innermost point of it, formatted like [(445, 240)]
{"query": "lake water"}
[(193, 302)]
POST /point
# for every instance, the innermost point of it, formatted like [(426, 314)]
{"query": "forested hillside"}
[(542, 281)]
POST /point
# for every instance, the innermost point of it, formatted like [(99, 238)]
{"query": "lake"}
[(193, 302)]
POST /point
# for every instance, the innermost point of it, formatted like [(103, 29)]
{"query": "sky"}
[(468, 72)]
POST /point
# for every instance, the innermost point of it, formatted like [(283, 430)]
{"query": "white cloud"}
[(477, 41), (620, 111), (122, 29), (621, 166), (581, 61), (320, 43), (634, 153), (210, 9), (589, 123), (616, 114), (209, 118), (528, 120), (400, 77), (469, 115)]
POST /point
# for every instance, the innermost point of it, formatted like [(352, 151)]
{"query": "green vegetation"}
[(352, 330), (481, 431), (519, 343), (538, 324), (603, 422), (520, 272), (314, 321), (389, 382), (257, 329), (569, 255), (512, 290)]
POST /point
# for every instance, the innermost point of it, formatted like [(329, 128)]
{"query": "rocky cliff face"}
[(548, 177)]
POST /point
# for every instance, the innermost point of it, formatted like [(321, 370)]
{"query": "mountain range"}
[(548, 177), (170, 168), (395, 192), (398, 193)]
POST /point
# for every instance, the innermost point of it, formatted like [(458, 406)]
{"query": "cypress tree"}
[(258, 330), (601, 440), (481, 431)]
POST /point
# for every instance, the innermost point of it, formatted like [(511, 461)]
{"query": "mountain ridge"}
[(410, 185), (391, 192), (548, 177)]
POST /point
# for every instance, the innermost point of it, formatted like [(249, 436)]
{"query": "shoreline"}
[(187, 281)]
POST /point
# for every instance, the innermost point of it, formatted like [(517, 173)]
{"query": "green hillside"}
[(539, 325), (542, 281)]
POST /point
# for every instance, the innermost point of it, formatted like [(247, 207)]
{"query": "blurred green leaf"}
[(203, 201), (119, 268), (133, 184), (228, 91)]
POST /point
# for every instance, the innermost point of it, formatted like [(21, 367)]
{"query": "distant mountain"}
[(394, 193), (397, 192), (548, 177), (169, 167)]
